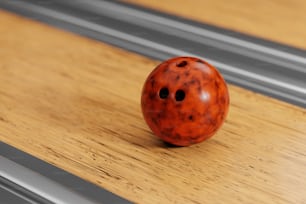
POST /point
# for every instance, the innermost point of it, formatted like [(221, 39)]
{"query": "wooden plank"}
[(75, 103), (282, 21)]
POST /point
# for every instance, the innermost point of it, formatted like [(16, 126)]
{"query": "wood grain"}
[(278, 20), (75, 103)]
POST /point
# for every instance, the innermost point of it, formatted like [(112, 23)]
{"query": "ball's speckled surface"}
[(184, 100)]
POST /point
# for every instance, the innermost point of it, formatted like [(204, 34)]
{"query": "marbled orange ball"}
[(184, 100)]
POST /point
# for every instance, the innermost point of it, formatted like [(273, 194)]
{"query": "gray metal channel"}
[(25, 179), (262, 66)]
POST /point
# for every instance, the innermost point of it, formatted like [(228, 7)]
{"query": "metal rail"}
[(262, 66), (28, 180)]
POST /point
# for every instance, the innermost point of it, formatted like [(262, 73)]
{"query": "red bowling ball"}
[(184, 101)]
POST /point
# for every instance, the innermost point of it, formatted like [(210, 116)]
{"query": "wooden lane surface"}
[(75, 103), (278, 20)]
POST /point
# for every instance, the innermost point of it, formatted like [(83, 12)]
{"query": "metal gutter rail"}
[(262, 66)]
